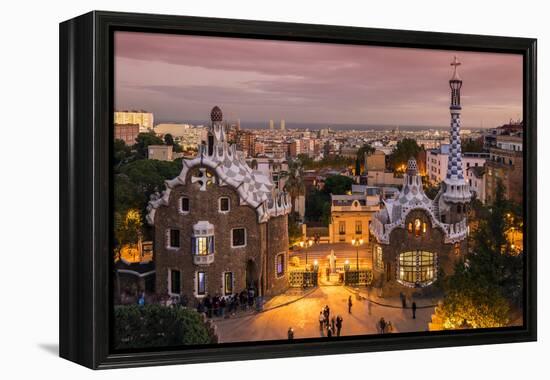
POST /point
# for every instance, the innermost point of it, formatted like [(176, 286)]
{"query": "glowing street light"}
[(306, 243), (356, 243)]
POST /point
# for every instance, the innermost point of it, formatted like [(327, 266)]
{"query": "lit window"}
[(238, 237), (457, 248), (201, 283), (417, 226), (224, 204), (358, 227), (184, 204), (378, 259), (410, 227), (424, 227), (174, 239), (203, 245), (280, 264), (175, 281), (342, 228), (416, 268), (228, 283)]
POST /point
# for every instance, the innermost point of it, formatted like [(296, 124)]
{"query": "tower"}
[(454, 188)]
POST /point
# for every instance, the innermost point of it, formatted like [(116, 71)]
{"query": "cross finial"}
[(455, 62)]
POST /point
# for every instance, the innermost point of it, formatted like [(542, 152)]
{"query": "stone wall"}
[(263, 243), (204, 206), (402, 241), (277, 242)]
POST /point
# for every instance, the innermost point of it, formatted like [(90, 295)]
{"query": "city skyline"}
[(179, 78)]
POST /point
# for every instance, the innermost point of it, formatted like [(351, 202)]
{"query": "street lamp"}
[(356, 243), (306, 243)]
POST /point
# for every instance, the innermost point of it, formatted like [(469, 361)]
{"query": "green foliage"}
[(137, 180), (337, 184), (489, 281), (473, 305), (472, 146), (365, 150), (404, 150), (315, 203), (151, 326), (294, 230), (169, 140), (122, 153), (143, 140), (318, 201)]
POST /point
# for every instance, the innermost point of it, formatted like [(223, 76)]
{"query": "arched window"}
[(416, 268), (417, 227)]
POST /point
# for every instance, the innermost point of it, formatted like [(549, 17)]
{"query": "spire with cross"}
[(456, 184)]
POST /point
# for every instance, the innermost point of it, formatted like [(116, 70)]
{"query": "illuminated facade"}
[(418, 239), (220, 226)]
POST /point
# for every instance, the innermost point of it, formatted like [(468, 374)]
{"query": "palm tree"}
[(294, 180)]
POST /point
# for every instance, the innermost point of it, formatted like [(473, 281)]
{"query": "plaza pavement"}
[(302, 314)]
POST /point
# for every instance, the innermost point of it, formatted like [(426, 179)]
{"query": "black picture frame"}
[(86, 119)]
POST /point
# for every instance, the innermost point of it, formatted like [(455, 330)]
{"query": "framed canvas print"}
[(237, 190)]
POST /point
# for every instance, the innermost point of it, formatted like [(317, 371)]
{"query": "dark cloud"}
[(258, 80)]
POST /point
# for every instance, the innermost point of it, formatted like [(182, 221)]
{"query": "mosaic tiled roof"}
[(228, 165)]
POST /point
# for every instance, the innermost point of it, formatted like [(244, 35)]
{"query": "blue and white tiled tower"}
[(455, 190)]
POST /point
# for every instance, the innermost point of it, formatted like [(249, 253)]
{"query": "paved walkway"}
[(303, 316)]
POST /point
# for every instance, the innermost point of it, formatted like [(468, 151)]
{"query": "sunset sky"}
[(180, 78)]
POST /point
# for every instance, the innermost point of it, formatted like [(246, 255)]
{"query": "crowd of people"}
[(329, 326), (224, 306)]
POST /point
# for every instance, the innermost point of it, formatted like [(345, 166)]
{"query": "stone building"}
[(418, 240), (505, 166), (219, 227), (350, 216)]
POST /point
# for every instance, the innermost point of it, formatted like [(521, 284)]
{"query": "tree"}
[(169, 140), (143, 140), (362, 153), (294, 230), (138, 179), (472, 146), (295, 180), (152, 326), (337, 184), (473, 306), (404, 150), (489, 280), (122, 153), (127, 229)]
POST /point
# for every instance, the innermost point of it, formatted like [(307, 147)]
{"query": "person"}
[(329, 332), (389, 327), (350, 304), (290, 333), (403, 300), (414, 309), (223, 304), (382, 324), (333, 323), (141, 299), (321, 320), (327, 314), (339, 321)]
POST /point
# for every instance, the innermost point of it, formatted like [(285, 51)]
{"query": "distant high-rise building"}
[(283, 126), (144, 119), (271, 124)]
